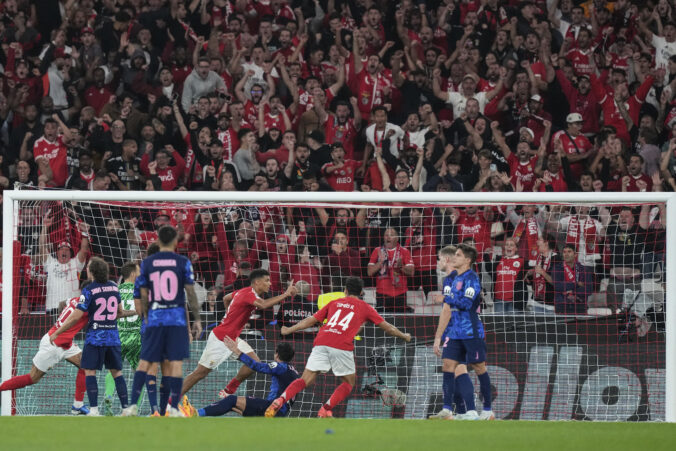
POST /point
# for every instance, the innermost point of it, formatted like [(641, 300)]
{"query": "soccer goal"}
[(578, 290)]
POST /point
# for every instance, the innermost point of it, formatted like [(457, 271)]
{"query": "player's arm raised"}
[(393, 331), (267, 303), (444, 318), (301, 325), (194, 305), (70, 322)]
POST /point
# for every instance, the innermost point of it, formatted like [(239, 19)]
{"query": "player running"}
[(165, 279), (49, 354), (464, 394), (101, 301), (464, 335), (129, 329), (334, 345), (242, 303), (282, 375)]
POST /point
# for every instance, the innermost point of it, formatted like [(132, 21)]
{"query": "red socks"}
[(339, 394), (80, 385), (17, 382), (232, 385), (293, 389)]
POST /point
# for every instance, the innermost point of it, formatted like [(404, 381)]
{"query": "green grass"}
[(127, 434)]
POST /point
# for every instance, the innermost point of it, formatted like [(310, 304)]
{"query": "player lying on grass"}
[(464, 334), (242, 303), (165, 280), (280, 370), (49, 354), (334, 345), (101, 301)]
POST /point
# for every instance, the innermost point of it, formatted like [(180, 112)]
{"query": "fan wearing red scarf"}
[(573, 283), (392, 265)]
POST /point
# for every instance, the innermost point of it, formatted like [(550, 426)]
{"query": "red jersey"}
[(345, 318), (632, 183), (580, 59), (334, 131), (341, 179), (422, 241), (251, 112), (370, 91), (505, 276), (274, 122), (525, 172), (239, 311), (65, 340), (97, 98), (387, 282), (578, 145), (56, 155), (477, 228)]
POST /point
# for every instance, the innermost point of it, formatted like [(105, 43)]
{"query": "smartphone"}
[(494, 167)]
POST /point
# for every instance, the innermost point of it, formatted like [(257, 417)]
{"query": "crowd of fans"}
[(345, 95)]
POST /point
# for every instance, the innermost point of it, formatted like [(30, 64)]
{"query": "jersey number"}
[(343, 323), (106, 309), (165, 285), (64, 314)]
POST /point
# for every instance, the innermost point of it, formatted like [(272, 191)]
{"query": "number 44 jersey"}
[(165, 275), (345, 318)]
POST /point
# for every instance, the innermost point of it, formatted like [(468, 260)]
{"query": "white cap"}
[(536, 98), (574, 117), (527, 130)]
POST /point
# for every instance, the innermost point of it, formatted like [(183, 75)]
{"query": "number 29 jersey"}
[(345, 318), (100, 301), (165, 275)]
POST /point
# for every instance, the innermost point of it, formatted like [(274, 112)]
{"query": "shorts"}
[(49, 355), (131, 347), (95, 357), (255, 407), (325, 358), (215, 352), (471, 350), (165, 343)]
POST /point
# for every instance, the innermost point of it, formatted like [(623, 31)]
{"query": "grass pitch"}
[(126, 434)]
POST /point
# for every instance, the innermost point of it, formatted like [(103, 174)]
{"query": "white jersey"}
[(63, 280)]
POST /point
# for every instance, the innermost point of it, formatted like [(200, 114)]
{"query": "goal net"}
[(574, 291)]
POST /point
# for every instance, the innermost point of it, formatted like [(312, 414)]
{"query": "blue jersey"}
[(462, 295), (282, 375), (100, 301), (448, 280), (165, 274)]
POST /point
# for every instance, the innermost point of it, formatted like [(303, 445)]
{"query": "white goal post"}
[(10, 216)]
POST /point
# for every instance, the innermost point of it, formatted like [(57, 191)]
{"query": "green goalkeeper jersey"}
[(130, 323)]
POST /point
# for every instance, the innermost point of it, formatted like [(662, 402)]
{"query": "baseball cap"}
[(317, 136), (470, 75), (87, 30), (574, 117), (64, 244), (527, 130), (163, 213), (537, 98)]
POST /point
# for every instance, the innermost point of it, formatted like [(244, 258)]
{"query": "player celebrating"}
[(334, 345), (165, 275), (129, 328), (464, 395), (49, 354), (282, 375), (242, 303), (101, 301), (465, 333)]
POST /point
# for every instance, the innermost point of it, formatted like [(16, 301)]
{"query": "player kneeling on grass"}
[(101, 300), (282, 375), (49, 354), (334, 345), (464, 334)]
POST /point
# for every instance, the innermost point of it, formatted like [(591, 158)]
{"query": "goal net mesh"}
[(572, 299)]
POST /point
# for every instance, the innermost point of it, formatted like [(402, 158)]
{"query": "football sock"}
[(164, 394), (121, 387), (448, 388), (151, 388), (137, 386), (293, 389), (80, 387), (219, 408), (175, 386), (232, 385), (459, 404), (110, 385), (92, 391), (485, 386), (339, 394), (16, 382), (463, 385)]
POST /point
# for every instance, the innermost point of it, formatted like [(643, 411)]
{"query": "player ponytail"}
[(98, 269), (354, 286), (285, 352)]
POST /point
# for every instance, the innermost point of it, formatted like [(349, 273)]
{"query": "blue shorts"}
[(471, 350), (165, 343), (94, 357), (255, 407)]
